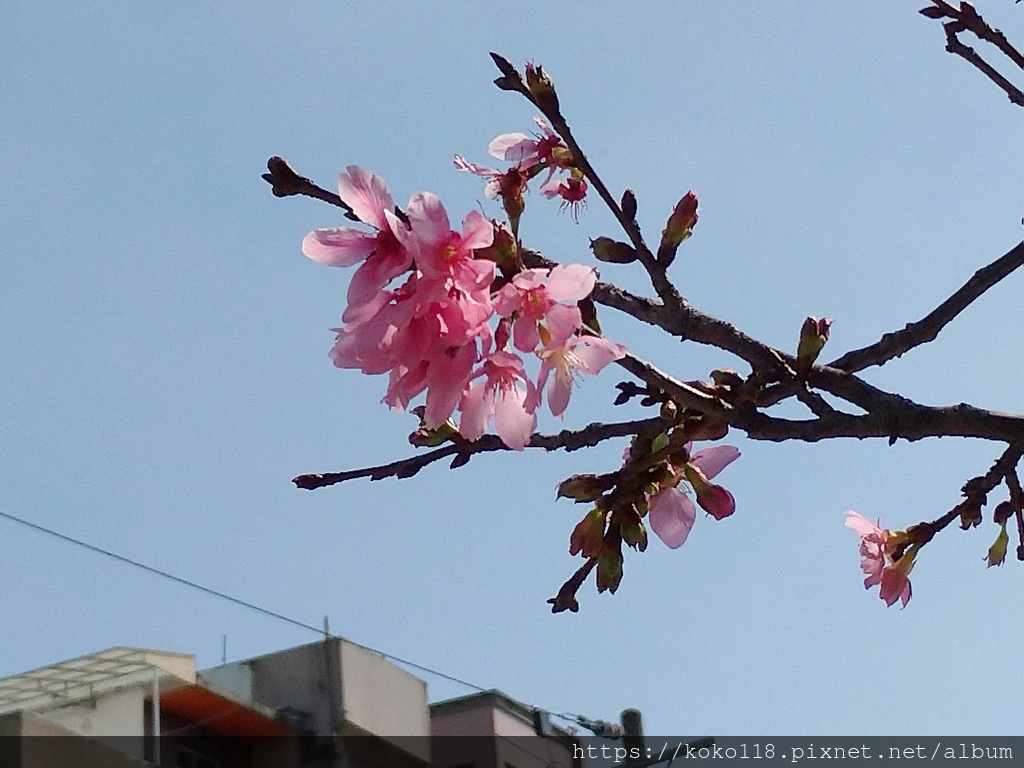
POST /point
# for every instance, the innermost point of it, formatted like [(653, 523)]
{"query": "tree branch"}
[(967, 18), (568, 440), (285, 182), (926, 329)]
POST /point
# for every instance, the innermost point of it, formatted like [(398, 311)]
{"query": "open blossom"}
[(507, 395), (876, 549), (672, 513), (532, 297), (383, 256), (564, 357)]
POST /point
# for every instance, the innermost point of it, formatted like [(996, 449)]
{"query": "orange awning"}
[(220, 714)]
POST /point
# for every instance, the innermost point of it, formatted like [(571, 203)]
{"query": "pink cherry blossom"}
[(875, 549), (534, 301), (500, 396), (572, 190), (508, 185), (564, 357), (368, 196)]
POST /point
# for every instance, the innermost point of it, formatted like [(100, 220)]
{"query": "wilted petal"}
[(672, 516)]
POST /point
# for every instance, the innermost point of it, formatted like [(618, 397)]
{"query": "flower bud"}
[(612, 251), (678, 227), (430, 438), (541, 88), (502, 250), (1003, 512), (813, 335), (583, 487), (713, 499), (629, 204)]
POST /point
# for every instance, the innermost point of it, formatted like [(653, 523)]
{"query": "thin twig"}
[(895, 344), (967, 18), (285, 182), (568, 440)]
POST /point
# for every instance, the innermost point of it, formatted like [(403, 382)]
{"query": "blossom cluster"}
[(421, 304), (530, 156), (878, 547)]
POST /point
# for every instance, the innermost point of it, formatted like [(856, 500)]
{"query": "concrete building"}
[(331, 704), (492, 730)]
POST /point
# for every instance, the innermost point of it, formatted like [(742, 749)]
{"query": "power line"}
[(229, 598)]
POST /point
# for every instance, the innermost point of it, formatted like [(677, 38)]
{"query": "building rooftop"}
[(89, 676)]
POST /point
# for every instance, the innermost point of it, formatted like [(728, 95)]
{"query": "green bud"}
[(583, 487), (612, 251)]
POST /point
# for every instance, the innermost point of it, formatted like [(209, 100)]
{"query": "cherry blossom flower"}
[(500, 396), (564, 356), (572, 190), (534, 300), (876, 549), (382, 254), (508, 186), (672, 513)]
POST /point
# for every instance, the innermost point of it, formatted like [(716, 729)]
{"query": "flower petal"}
[(429, 219), (861, 525), (368, 195), (477, 231), (477, 406), (711, 461), (512, 420), (571, 282), (338, 246), (596, 352), (672, 516), (510, 146)]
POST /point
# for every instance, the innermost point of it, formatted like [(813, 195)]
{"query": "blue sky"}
[(165, 347)]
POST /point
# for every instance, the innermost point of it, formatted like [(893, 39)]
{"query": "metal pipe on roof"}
[(156, 717)]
